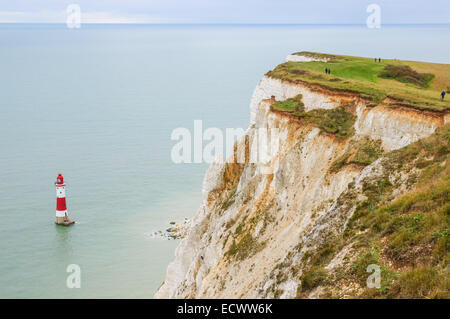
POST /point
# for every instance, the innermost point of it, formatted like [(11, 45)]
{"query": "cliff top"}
[(394, 82)]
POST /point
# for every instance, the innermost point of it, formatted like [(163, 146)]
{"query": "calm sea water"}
[(98, 104)]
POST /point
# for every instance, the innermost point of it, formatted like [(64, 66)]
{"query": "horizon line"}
[(224, 23)]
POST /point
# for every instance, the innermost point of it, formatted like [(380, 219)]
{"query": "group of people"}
[(327, 71), (379, 59)]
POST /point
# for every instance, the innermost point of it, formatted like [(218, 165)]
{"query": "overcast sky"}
[(227, 11)]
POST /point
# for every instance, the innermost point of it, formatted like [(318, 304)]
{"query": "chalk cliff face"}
[(258, 223)]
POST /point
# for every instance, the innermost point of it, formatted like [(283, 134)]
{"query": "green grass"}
[(408, 86), (359, 267), (313, 278), (291, 105), (357, 69), (312, 72), (336, 121), (412, 232), (422, 282)]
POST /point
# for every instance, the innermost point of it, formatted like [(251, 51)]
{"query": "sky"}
[(227, 11)]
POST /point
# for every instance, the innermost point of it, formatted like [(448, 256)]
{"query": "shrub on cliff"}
[(246, 247), (406, 74), (313, 278), (362, 152), (293, 105), (335, 121)]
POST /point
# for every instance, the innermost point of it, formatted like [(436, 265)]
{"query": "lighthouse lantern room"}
[(62, 218)]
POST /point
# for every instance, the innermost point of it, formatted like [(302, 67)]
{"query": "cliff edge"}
[(360, 177)]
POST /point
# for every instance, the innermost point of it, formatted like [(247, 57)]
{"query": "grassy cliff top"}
[(404, 83)]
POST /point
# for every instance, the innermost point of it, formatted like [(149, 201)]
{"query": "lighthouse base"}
[(65, 221)]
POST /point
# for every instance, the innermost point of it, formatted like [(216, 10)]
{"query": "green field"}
[(404, 83)]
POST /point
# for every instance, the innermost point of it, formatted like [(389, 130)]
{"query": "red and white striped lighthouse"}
[(61, 209)]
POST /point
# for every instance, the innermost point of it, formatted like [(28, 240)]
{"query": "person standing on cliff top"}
[(442, 95)]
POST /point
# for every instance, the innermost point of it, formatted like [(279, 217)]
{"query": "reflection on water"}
[(63, 240)]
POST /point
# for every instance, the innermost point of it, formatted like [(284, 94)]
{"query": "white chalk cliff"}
[(252, 221)]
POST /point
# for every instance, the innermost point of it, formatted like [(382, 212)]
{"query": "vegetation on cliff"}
[(316, 55), (393, 82), (293, 105), (409, 237), (331, 206), (338, 121), (405, 74), (361, 152)]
